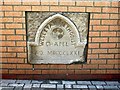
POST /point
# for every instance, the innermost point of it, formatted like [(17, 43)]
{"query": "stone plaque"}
[(57, 38)]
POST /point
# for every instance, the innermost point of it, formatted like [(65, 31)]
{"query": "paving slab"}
[(84, 82), (98, 83), (60, 86), (23, 81), (48, 86), (111, 88), (18, 88), (80, 86), (54, 82), (68, 82), (99, 87), (92, 87), (112, 82), (7, 88), (8, 81), (68, 86), (35, 85), (36, 81)]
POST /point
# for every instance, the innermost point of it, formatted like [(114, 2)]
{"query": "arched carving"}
[(70, 23)]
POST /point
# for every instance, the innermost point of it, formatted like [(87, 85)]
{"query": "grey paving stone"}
[(35, 85), (36, 81), (68, 82), (119, 87), (54, 82), (72, 89), (60, 89), (20, 85), (4, 84), (60, 86), (48, 86), (84, 82), (18, 88), (7, 88), (111, 88), (23, 81), (27, 86), (68, 86), (99, 87), (8, 81), (80, 86), (14, 85), (98, 83), (92, 87), (112, 83)]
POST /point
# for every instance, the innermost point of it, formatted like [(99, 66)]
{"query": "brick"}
[(117, 67), (92, 56), (106, 56), (12, 2), (113, 50), (109, 22), (82, 71), (23, 32), (21, 43), (108, 33), (58, 8), (94, 22), (76, 9), (40, 8), (16, 71), (6, 19), (15, 60), (107, 45), (101, 16), (22, 8), (13, 25), (102, 3), (8, 43), (84, 3), (45, 71), (98, 71), (93, 45), (117, 56), (16, 14), (10, 66), (113, 72), (22, 55), (31, 2), (2, 37), (2, 26), (33, 71), (4, 71), (114, 27), (53, 72), (7, 32), (99, 39), (74, 66), (95, 9), (100, 28), (4, 60), (106, 66), (15, 49), (67, 2), (99, 50), (110, 10), (113, 62), (92, 34), (3, 49), (20, 20), (1, 13), (8, 55), (111, 39), (41, 66), (90, 66), (57, 66), (66, 72), (15, 37), (24, 66), (6, 8), (115, 4), (98, 61), (49, 2), (114, 16)]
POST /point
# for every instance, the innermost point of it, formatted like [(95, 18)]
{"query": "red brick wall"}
[(103, 56)]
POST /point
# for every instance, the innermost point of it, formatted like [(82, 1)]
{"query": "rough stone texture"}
[(62, 37)]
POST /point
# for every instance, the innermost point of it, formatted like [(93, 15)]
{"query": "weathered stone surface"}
[(57, 38)]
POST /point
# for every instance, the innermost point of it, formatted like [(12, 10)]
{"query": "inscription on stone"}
[(59, 38)]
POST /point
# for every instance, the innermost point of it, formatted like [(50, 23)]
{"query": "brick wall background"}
[(103, 51)]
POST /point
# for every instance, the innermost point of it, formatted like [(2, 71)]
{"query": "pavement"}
[(6, 84)]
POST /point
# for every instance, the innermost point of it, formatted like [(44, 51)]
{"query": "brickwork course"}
[(103, 43)]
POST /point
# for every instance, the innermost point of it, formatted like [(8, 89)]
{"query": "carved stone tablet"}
[(57, 38)]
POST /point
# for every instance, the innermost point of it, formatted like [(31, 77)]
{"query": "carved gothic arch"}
[(52, 18)]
